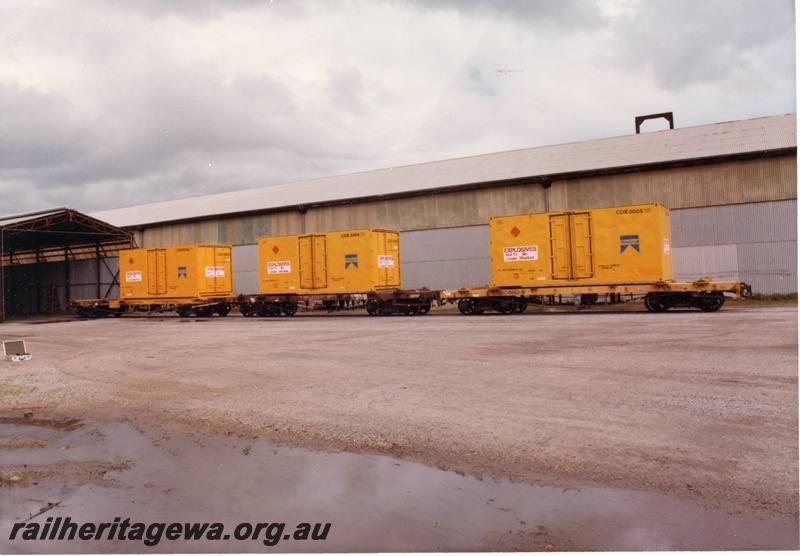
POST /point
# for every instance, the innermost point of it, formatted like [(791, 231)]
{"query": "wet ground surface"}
[(621, 431), (133, 469)]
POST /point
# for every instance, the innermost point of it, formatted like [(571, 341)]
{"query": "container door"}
[(157, 271), (383, 269), (306, 261), (581, 234), (223, 282), (320, 262), (571, 246), (560, 250), (313, 262), (386, 244)]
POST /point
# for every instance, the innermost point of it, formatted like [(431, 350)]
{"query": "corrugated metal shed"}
[(446, 257), (730, 139), (753, 242), (56, 235)]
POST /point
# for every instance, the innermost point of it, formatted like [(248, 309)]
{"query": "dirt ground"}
[(702, 407)]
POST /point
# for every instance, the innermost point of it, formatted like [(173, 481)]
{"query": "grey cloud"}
[(152, 100), (685, 42), (197, 10), (479, 84), (39, 130), (565, 14), (346, 90)]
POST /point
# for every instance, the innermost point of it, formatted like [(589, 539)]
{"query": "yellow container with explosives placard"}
[(178, 272), (627, 244), (332, 262)]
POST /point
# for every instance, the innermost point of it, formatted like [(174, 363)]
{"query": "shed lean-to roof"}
[(774, 133), (57, 234)]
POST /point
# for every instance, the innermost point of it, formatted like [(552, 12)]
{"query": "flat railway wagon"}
[(587, 253), (188, 279), (334, 270)]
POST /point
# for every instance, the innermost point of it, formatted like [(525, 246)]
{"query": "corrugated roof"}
[(56, 234), (674, 145), (15, 218)]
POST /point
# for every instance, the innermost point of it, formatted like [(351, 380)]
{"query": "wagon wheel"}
[(652, 303), (373, 307), (246, 310), (466, 306), (506, 306), (223, 310), (712, 301), (289, 309), (205, 312), (521, 305), (183, 311), (425, 308)]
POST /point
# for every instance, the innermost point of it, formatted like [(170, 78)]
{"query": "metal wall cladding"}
[(747, 223), (626, 244), (727, 183), (754, 242), (42, 289), (769, 267), (349, 261), (245, 261), (178, 272), (83, 275), (718, 262), (447, 258)]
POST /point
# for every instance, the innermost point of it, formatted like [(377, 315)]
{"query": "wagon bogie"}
[(707, 301)]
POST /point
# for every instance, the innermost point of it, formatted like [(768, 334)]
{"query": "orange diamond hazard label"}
[(275, 249), (515, 231)]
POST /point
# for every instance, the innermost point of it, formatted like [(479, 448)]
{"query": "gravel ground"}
[(695, 405)]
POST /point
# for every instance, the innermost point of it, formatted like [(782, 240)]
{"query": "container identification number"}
[(634, 211)]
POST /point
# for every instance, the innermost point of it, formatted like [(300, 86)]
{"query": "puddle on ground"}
[(372, 503)]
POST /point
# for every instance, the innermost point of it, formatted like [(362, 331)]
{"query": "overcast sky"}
[(105, 104)]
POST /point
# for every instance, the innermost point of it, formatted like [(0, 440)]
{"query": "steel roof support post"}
[(2, 277), (97, 259), (11, 282), (302, 210), (546, 183), (66, 276), (39, 305)]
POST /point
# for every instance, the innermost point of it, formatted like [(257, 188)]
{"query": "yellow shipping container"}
[(179, 272), (614, 245), (332, 262)]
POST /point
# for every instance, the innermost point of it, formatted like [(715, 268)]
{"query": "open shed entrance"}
[(51, 257)]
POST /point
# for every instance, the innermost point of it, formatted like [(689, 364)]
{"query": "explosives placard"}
[(279, 267), (521, 253)]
